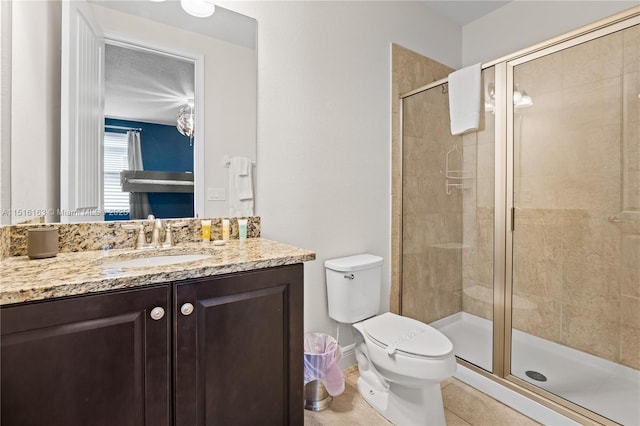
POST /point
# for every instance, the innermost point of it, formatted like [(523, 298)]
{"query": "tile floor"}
[(463, 405)]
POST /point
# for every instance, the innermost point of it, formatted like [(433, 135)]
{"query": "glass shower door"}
[(575, 284), (448, 222)]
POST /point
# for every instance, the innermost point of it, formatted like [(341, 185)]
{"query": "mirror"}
[(148, 110), (222, 47)]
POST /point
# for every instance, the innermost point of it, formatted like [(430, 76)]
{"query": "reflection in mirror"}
[(223, 53), (145, 91)]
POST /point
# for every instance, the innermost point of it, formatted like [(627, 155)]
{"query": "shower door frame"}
[(504, 209), (585, 34)]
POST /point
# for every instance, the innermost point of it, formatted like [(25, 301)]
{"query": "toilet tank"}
[(353, 287)]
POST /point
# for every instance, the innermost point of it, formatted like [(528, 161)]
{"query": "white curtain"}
[(139, 207)]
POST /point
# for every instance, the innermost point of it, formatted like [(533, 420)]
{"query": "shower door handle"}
[(513, 219)]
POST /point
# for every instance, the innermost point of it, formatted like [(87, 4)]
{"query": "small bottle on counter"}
[(242, 229), (206, 230), (225, 229)]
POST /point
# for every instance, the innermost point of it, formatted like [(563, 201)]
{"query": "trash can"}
[(323, 378)]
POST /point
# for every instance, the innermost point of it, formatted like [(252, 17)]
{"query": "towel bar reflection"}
[(227, 161), (456, 178)]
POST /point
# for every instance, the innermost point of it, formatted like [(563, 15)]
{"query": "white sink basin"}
[(156, 261)]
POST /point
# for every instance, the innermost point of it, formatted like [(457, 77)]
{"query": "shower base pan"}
[(609, 389)]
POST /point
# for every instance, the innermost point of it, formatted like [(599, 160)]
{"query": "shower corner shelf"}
[(456, 178)]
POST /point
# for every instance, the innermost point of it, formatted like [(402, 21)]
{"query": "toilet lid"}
[(407, 335)]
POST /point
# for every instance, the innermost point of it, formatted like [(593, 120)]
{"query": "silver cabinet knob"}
[(157, 313), (186, 309)]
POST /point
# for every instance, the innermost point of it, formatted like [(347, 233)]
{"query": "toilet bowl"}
[(401, 361)]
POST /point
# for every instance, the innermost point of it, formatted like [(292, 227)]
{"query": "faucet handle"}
[(140, 239), (168, 237)]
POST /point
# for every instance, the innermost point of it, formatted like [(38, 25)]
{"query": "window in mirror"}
[(116, 202)]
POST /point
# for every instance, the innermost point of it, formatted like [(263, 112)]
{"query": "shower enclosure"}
[(521, 241)]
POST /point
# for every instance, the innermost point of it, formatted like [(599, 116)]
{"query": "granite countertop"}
[(23, 279)]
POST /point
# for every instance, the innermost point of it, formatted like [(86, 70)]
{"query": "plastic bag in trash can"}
[(321, 356)]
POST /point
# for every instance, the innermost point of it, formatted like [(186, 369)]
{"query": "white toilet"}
[(401, 361)]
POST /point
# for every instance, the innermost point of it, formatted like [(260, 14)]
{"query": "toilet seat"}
[(395, 333)]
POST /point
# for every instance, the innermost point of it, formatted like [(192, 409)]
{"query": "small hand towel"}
[(465, 88), (240, 187)]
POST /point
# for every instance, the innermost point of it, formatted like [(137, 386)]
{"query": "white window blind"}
[(115, 160)]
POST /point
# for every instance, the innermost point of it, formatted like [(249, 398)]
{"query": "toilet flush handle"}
[(349, 276), (391, 349)]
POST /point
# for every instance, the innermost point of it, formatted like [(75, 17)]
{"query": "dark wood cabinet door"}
[(88, 360), (239, 353)]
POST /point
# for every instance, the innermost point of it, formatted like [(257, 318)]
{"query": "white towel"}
[(465, 88), (240, 187)]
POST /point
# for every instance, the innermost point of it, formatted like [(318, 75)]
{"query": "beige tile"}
[(453, 420), (477, 408), (593, 61), (591, 240), (592, 287), (594, 332), (630, 332), (543, 320), (346, 409), (463, 405)]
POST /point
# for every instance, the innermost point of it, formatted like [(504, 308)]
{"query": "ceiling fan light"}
[(198, 8), (186, 118)]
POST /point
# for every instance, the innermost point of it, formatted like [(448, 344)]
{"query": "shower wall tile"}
[(597, 151), (630, 271), (477, 298), (539, 316), (631, 139), (409, 71), (631, 41), (591, 62), (630, 90), (431, 285), (595, 332), (584, 287), (579, 270), (592, 240), (629, 342), (598, 104)]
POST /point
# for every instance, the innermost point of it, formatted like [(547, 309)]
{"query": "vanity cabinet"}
[(87, 360), (227, 350), (238, 349)]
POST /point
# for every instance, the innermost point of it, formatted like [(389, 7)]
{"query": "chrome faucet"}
[(156, 242)]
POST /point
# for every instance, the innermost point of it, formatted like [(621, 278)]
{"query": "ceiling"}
[(464, 11), (224, 24), (148, 87), (152, 88)]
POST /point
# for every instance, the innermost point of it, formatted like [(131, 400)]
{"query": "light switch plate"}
[(216, 194)]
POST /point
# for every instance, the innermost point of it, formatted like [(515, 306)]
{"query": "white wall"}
[(5, 113), (324, 114), (35, 108), (324, 125), (229, 90), (523, 23)]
